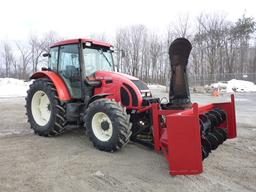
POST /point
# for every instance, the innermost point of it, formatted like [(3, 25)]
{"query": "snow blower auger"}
[(80, 89)]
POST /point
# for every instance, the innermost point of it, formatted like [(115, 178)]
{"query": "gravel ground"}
[(70, 162)]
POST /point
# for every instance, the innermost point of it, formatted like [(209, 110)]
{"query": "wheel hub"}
[(41, 108), (102, 126)]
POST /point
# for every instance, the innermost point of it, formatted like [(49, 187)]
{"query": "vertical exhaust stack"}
[(179, 96)]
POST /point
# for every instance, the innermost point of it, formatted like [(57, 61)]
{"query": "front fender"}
[(98, 96), (60, 85)]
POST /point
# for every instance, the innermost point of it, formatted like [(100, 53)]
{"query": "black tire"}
[(57, 120), (120, 120)]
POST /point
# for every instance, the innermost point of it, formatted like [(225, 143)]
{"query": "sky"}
[(80, 18)]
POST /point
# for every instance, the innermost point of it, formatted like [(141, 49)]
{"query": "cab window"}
[(53, 61), (69, 68)]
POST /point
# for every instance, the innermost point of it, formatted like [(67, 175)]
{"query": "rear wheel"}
[(107, 124), (41, 108), (45, 112)]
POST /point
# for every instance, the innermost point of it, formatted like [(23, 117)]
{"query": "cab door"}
[(69, 68)]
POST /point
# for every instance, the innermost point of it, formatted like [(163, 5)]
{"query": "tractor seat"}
[(71, 76), (72, 73)]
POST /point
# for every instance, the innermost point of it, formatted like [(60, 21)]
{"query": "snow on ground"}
[(158, 90), (156, 86), (10, 87), (235, 85)]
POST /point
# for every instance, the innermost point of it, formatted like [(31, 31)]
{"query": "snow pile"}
[(235, 85), (10, 87), (157, 86)]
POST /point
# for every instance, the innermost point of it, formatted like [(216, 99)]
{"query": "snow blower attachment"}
[(190, 132)]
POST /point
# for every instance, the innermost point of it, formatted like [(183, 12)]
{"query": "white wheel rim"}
[(40, 107), (99, 132)]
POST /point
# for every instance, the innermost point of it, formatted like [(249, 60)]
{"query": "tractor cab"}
[(77, 61)]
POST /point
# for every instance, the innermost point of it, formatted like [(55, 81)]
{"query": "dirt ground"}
[(70, 162)]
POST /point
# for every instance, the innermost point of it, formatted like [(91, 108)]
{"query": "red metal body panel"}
[(60, 85), (180, 138), (184, 151), (74, 41), (114, 88)]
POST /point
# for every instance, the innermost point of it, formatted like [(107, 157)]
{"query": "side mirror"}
[(45, 69), (46, 55)]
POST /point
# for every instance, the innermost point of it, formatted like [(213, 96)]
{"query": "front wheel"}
[(45, 112), (107, 124)]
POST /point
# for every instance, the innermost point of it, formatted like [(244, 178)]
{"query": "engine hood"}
[(121, 77), (112, 75), (128, 90)]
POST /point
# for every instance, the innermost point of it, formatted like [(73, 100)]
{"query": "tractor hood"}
[(127, 76), (128, 90), (122, 78), (109, 75)]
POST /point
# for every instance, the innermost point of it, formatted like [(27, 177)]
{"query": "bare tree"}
[(119, 43), (211, 35), (155, 53), (37, 47), (9, 61), (242, 31), (136, 34), (49, 39), (182, 26), (7, 57), (25, 56)]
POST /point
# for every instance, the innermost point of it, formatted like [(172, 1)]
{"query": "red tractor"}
[(80, 89)]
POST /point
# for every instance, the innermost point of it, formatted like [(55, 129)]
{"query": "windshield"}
[(97, 60)]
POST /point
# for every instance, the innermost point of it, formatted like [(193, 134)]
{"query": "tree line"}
[(21, 59), (219, 47)]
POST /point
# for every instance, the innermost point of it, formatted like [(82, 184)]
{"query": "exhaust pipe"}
[(179, 96)]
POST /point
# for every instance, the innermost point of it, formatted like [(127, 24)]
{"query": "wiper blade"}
[(101, 52)]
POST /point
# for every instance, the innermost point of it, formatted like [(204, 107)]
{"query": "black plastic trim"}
[(134, 96)]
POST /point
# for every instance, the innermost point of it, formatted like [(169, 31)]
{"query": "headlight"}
[(143, 94), (146, 94)]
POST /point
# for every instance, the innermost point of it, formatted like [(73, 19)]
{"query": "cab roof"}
[(74, 41)]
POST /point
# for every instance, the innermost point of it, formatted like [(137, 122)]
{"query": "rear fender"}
[(60, 85)]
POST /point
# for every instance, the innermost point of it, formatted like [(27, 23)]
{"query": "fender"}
[(60, 85), (98, 96)]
